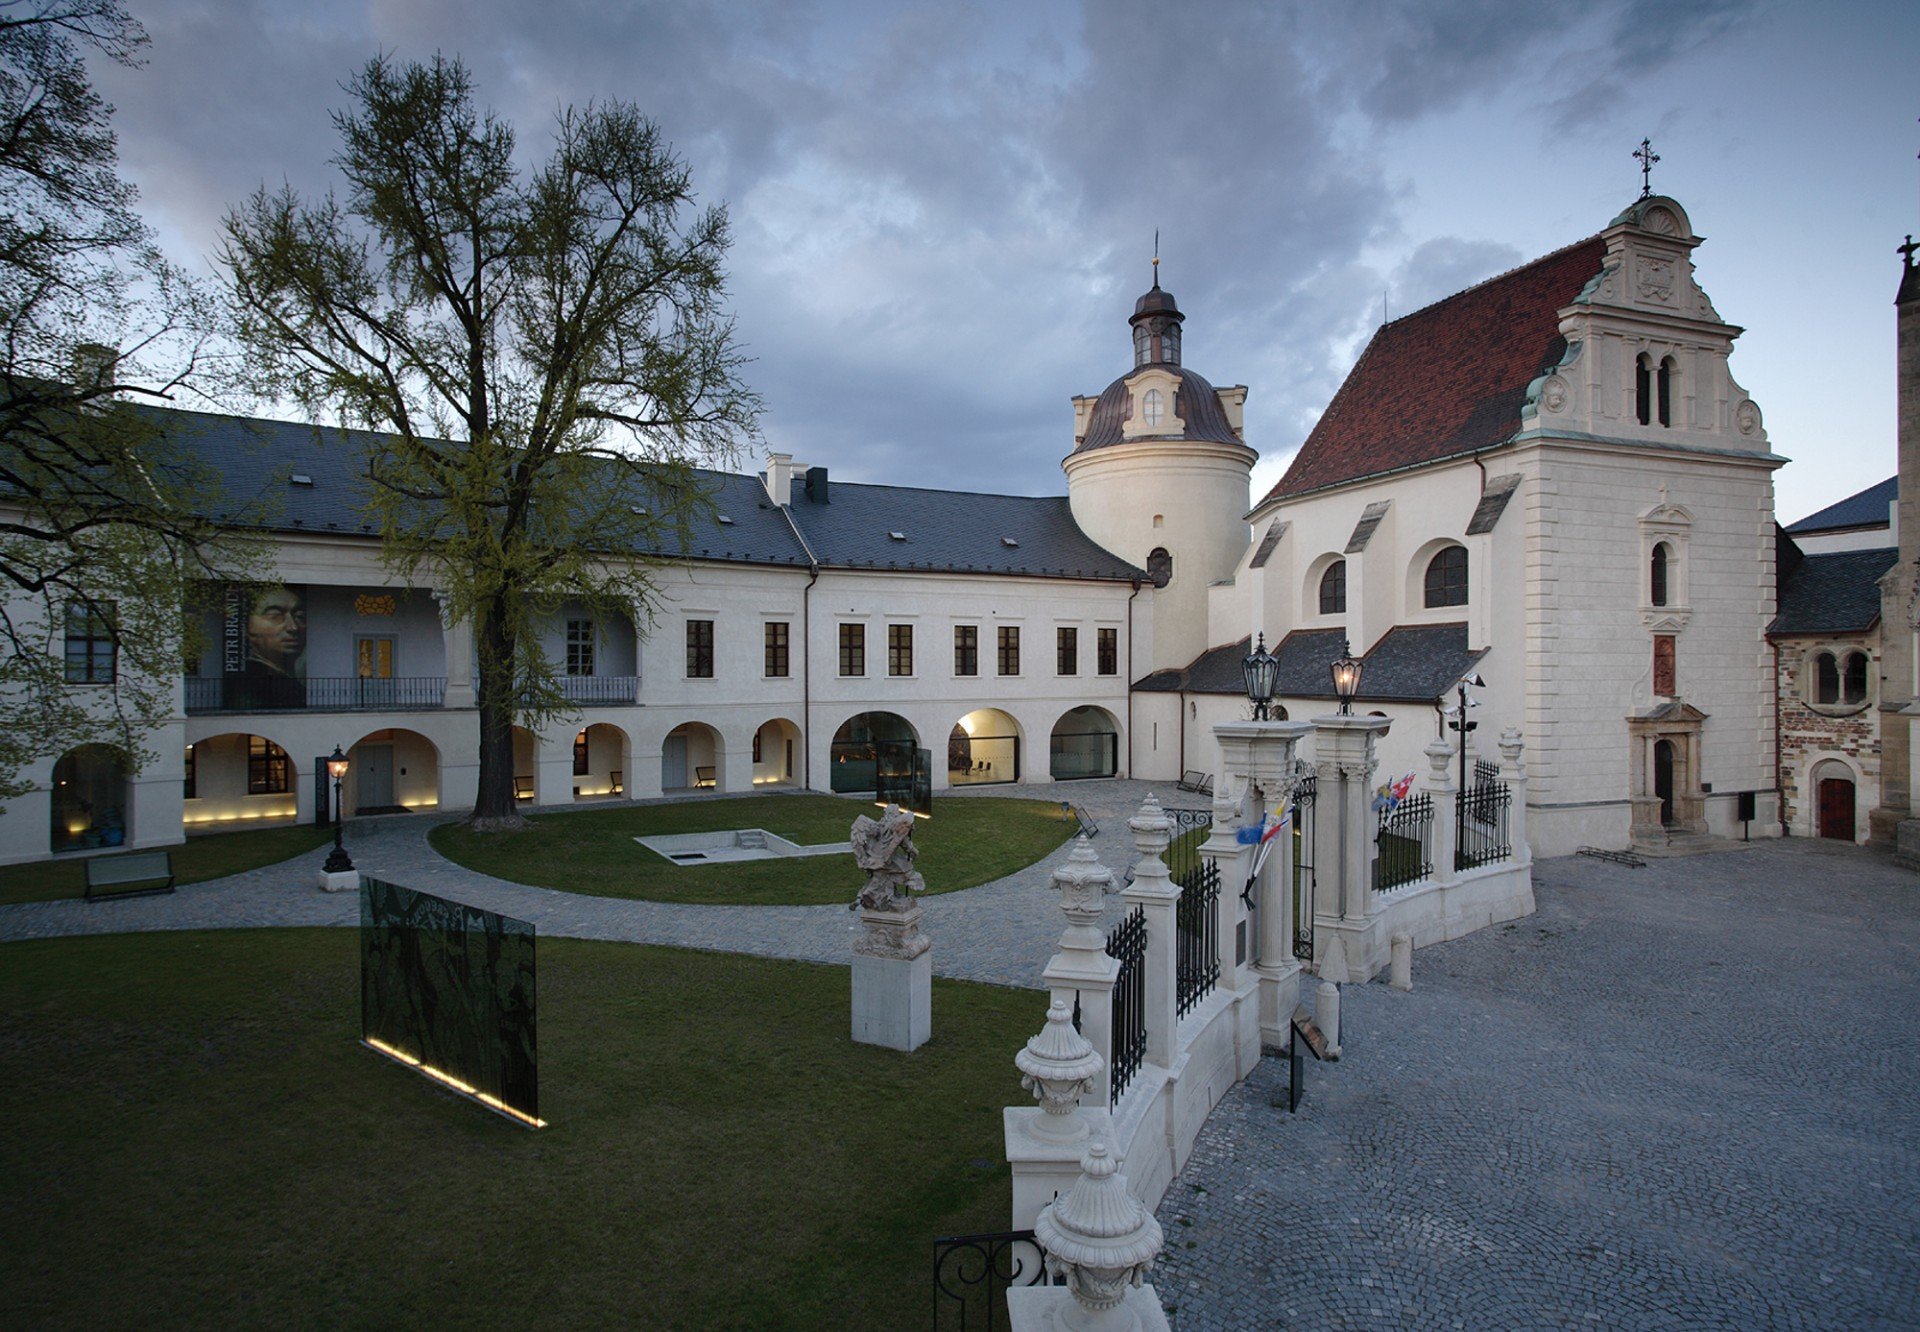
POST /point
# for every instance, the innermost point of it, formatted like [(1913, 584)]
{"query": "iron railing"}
[(1191, 828), (316, 693), (599, 688), (1483, 826), (1403, 848), (1485, 773), (1305, 794), (1196, 919), (972, 1274), (1128, 944)]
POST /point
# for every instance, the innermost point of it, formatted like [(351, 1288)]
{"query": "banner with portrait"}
[(263, 645)]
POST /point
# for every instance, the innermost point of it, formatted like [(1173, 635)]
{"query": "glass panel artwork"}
[(449, 989), (903, 776)]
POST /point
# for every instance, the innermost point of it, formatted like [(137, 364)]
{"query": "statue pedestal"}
[(1052, 1309), (340, 881), (893, 981)]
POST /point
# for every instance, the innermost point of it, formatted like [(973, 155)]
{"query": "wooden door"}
[(1663, 779), (1836, 808), (673, 764), (374, 789)]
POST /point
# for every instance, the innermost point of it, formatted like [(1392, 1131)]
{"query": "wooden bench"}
[(1200, 783), (147, 868), (523, 788), (703, 777)]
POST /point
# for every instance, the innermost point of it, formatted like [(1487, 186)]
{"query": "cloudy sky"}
[(944, 212)]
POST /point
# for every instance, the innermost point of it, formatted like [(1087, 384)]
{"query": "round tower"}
[(1160, 474)]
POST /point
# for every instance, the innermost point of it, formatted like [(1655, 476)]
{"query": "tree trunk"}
[(493, 806)]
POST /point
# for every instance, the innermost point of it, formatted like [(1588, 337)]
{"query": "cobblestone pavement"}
[(1677, 1097), (1002, 932)]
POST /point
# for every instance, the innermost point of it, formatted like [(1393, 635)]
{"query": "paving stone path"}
[(1677, 1097), (1002, 932)]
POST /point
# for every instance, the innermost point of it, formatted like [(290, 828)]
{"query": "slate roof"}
[(1866, 509), (1410, 663), (1837, 593), (1448, 379), (946, 531), (1195, 402)]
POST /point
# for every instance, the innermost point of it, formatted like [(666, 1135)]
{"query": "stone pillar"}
[(1156, 896), (1081, 972), (1345, 758), (1446, 812), (1513, 771), (456, 637), (1262, 755), (1044, 1143), (1103, 1240)]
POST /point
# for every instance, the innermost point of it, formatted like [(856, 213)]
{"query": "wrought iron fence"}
[(1485, 773), (1191, 828), (1196, 920), (1483, 826), (316, 693), (1403, 848), (1128, 944), (1305, 795), (972, 1274)]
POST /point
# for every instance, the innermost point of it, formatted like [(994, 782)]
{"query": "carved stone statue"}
[(884, 848)]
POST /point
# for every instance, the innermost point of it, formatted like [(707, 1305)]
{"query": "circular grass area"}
[(966, 843)]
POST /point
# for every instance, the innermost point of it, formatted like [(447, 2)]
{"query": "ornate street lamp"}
[(1262, 670), (338, 861), (1346, 677), (1465, 727)]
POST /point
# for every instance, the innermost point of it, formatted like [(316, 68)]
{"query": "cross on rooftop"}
[(1906, 251), (1646, 157)]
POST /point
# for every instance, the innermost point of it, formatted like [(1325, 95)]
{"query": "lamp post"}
[(1346, 677), (1262, 670), (338, 861), (1465, 727)]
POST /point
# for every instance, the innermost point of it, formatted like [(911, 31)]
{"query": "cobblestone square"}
[(1677, 1097)]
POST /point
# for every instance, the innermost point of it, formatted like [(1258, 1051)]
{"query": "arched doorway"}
[(392, 771), (983, 748), (599, 762), (235, 776), (526, 765), (89, 799), (852, 758), (1835, 796), (1663, 779), (690, 758), (1085, 743), (776, 753)]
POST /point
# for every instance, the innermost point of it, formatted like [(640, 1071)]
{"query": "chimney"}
[(94, 364), (779, 478), (817, 485)]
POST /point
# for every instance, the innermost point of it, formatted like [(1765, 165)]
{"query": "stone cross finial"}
[(1646, 157), (1906, 251)]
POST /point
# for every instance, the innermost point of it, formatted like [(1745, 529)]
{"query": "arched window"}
[(1853, 682), (1333, 589), (1643, 389), (1839, 678), (1664, 391), (1662, 556), (1447, 578), (1153, 407), (1160, 566)]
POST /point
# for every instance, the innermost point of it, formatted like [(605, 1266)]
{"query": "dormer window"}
[(1153, 407)]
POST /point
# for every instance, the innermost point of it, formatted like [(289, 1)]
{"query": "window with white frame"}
[(580, 647)]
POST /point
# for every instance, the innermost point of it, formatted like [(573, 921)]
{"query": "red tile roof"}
[(1448, 379)]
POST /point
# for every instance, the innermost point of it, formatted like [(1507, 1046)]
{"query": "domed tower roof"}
[(1196, 410)]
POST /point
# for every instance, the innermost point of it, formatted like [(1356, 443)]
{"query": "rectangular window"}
[(579, 647), (853, 649), (1068, 652), (580, 754), (776, 649), (1663, 665), (267, 766), (90, 650), (899, 649), (1107, 643), (699, 649), (966, 649), (1009, 653), (190, 787)]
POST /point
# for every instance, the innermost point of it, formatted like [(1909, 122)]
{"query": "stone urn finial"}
[(1083, 883), (1101, 1237), (1058, 1066)]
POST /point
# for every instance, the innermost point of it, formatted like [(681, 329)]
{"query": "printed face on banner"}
[(277, 632)]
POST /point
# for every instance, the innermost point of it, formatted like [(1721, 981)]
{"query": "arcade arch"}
[(1085, 743), (984, 748)]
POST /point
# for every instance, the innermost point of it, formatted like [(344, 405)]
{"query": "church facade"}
[(1550, 482)]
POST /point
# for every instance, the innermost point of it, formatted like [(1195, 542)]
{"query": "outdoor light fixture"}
[(1262, 670), (338, 861), (1346, 677)]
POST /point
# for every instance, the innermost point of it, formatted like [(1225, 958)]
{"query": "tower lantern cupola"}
[(1156, 328)]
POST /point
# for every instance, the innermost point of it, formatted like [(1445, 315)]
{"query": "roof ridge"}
[(1489, 281)]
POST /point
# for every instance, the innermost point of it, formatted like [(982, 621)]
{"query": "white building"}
[(1551, 479)]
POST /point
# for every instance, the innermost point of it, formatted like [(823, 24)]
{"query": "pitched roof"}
[(1833, 594), (1868, 508), (1448, 379), (1414, 663), (287, 476)]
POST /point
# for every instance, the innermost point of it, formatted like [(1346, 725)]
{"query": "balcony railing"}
[(324, 693), (599, 688)]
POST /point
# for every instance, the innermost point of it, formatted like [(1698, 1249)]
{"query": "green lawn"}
[(196, 1138), (966, 843), (205, 856)]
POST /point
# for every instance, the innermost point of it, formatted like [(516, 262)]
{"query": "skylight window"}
[(897, 536), (725, 521), (1009, 542), (300, 479)]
